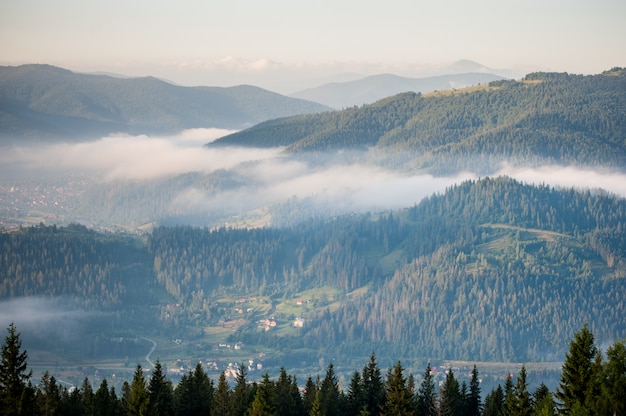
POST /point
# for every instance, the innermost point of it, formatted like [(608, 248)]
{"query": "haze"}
[(285, 45)]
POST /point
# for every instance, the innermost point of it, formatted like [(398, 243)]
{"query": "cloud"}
[(569, 177), (342, 188), (45, 317), (234, 181), (131, 157)]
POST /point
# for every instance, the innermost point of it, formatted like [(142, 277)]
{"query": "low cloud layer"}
[(259, 177), (38, 317)]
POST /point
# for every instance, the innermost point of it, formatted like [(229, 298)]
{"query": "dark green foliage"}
[(221, 401), (161, 393), (494, 402), (194, 394), (578, 372), (48, 395), (288, 399), (614, 387), (265, 399), (399, 397), (450, 397), (138, 402), (520, 405), (242, 395), (70, 261), (15, 389), (355, 397), (105, 401), (543, 402), (331, 398), (473, 404), (373, 386), (89, 397), (310, 394), (427, 395)]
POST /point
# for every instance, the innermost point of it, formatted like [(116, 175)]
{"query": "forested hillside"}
[(490, 270), (41, 101), (543, 118)]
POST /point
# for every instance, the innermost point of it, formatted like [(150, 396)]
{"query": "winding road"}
[(154, 344)]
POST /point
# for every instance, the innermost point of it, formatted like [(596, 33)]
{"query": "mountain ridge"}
[(544, 118), (372, 88), (45, 101)]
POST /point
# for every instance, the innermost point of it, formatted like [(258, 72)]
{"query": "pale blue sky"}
[(232, 41)]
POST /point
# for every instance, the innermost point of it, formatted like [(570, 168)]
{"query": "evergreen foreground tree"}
[(473, 405), (614, 389), (578, 371), (399, 398), (160, 393), (427, 395), (15, 388), (138, 400)]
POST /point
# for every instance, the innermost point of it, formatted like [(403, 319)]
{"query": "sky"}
[(284, 44)]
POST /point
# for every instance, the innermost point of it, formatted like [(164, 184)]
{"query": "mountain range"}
[(373, 88), (42, 101)]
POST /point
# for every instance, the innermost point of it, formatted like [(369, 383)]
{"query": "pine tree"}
[(316, 407), (543, 404), (473, 405), (355, 399), (104, 404), (427, 395), (509, 391), (450, 399), (242, 395), (14, 377), (72, 403), (160, 393), (614, 389), (310, 393), (577, 372), (290, 400), (330, 395), (138, 400), (264, 403), (88, 397), (194, 393), (494, 402), (48, 395), (373, 386), (398, 398), (221, 401), (520, 403)]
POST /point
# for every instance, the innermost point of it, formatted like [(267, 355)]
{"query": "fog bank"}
[(233, 181)]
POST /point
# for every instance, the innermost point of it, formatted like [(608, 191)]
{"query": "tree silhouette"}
[(14, 377)]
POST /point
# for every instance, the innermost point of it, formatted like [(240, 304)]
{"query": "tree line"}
[(589, 385)]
